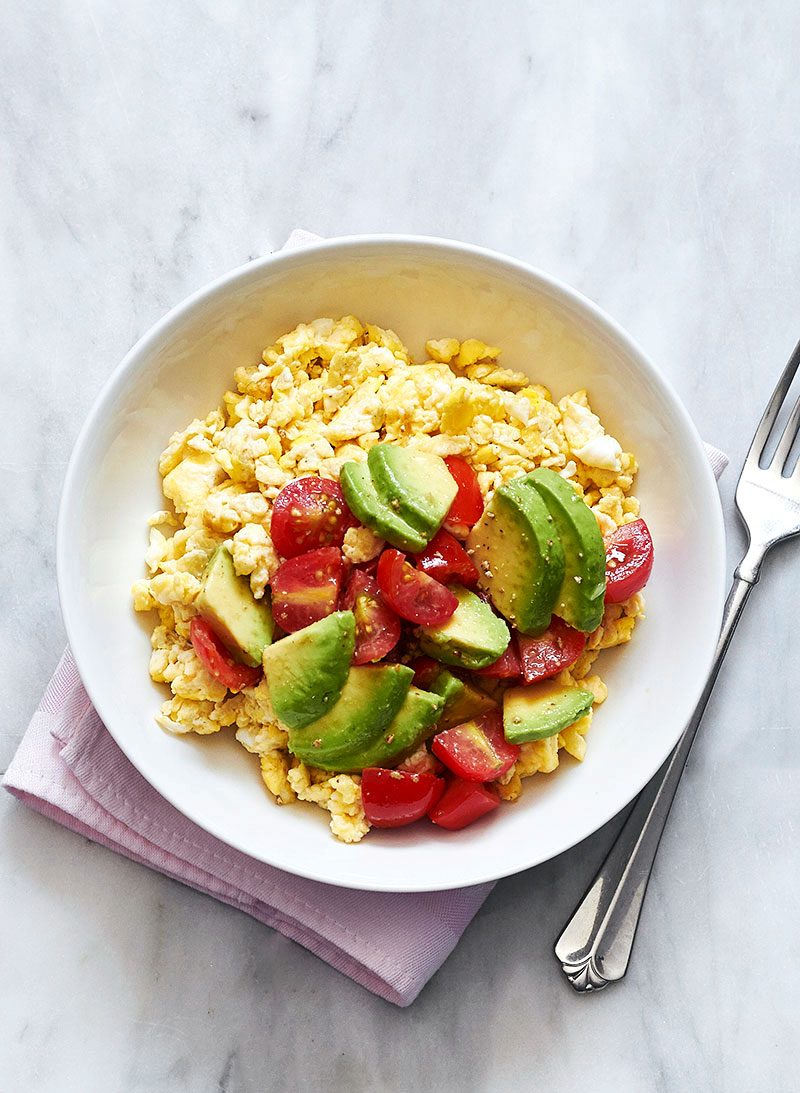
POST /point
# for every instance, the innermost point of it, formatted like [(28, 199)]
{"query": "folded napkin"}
[(69, 768)]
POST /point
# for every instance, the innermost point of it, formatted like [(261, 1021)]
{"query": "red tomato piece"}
[(370, 567), (309, 513), (467, 506), (412, 594), (549, 653), (377, 626), (217, 661), (462, 803), (394, 798), (425, 671), (306, 588), (629, 561), (507, 665), (445, 559), (477, 750)]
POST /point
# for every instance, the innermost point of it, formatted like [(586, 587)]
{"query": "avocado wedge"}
[(519, 557), (416, 485), (462, 701), (363, 500), (306, 670), (241, 622), (580, 599), (369, 701), (472, 637), (542, 710), (412, 724)]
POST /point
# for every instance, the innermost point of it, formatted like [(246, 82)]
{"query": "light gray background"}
[(646, 153)]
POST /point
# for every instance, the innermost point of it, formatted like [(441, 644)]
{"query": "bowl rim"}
[(297, 255)]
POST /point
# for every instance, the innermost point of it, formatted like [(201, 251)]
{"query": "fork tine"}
[(788, 437), (773, 408)]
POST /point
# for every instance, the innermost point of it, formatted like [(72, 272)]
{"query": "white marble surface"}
[(646, 153)]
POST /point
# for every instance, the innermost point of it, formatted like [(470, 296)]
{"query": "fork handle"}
[(596, 945)]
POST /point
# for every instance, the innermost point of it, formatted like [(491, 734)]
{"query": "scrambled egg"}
[(323, 394)]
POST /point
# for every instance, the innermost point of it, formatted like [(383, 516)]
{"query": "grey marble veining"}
[(646, 153)]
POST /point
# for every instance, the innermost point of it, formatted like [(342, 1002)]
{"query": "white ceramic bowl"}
[(422, 288)]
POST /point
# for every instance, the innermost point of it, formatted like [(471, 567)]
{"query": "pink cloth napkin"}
[(69, 768)]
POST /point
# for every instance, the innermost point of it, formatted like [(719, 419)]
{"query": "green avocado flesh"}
[(462, 701), (306, 670), (580, 600), (411, 725), (241, 622), (363, 500), (415, 485), (541, 710), (518, 554), (472, 637), (447, 685), (369, 701)]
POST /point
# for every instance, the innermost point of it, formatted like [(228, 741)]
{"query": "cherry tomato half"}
[(467, 507), (306, 588), (394, 798), (507, 666), (462, 803), (412, 594), (629, 561), (217, 661), (445, 559), (377, 626), (309, 513), (476, 750), (549, 653)]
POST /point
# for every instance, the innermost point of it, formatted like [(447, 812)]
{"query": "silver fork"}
[(595, 948)]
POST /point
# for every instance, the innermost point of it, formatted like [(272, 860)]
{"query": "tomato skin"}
[(309, 513), (477, 750), (217, 661), (370, 567), (507, 666), (394, 798), (462, 803), (547, 654), (445, 559), (467, 506), (306, 588), (414, 595), (378, 628), (426, 670), (629, 561)]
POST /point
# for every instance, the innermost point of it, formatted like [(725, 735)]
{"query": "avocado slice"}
[(241, 622), (369, 700), (450, 687), (306, 670), (363, 500), (519, 557), (463, 707), (532, 713), (462, 701), (472, 637), (411, 725), (416, 485), (581, 598)]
